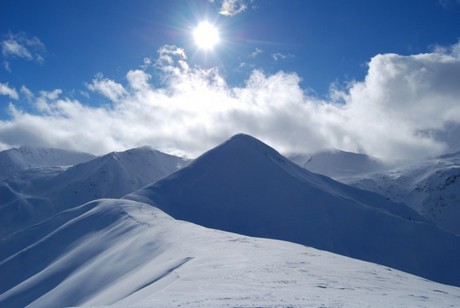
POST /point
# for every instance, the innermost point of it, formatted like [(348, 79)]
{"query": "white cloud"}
[(256, 52), (11, 47), (232, 7), (45, 98), (281, 56), (8, 91), (109, 88), (20, 45), (403, 101), (406, 108), (27, 93)]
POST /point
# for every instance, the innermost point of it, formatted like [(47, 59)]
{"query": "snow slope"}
[(110, 176), (431, 187), (246, 187), (18, 210), (15, 160), (127, 254), (337, 164), (30, 196)]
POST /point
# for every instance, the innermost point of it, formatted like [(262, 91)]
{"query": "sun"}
[(206, 35)]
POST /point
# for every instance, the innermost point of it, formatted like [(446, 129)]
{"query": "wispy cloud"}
[(27, 93), (256, 52), (282, 56), (23, 46), (8, 91), (400, 111), (231, 7)]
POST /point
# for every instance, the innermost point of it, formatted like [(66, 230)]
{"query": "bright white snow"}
[(127, 254)]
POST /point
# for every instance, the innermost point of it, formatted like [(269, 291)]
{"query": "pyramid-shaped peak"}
[(243, 144), (244, 139), (241, 137)]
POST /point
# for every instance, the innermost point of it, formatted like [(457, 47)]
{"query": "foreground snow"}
[(125, 253)]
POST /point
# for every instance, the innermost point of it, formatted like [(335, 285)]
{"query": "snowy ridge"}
[(246, 187), (127, 254), (110, 176), (432, 188), (337, 164), (36, 194), (15, 160)]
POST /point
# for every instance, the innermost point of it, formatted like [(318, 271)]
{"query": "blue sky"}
[(321, 53)]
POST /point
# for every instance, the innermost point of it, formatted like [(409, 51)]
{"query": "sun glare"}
[(206, 35)]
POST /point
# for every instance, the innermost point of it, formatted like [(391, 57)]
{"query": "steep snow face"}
[(432, 188), (337, 164), (246, 187), (15, 160), (35, 194), (123, 253)]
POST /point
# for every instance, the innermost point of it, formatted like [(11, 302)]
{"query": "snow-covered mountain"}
[(431, 187), (127, 254), (110, 176), (246, 187), (15, 160), (35, 194), (337, 164)]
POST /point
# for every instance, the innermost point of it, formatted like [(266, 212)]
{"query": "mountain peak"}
[(242, 137), (245, 140), (242, 148), (245, 186)]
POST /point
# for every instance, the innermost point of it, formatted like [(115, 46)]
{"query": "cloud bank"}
[(402, 110)]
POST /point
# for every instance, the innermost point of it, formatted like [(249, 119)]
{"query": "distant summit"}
[(110, 176), (337, 164), (26, 157), (32, 196)]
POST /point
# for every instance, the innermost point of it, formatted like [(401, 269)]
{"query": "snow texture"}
[(121, 253)]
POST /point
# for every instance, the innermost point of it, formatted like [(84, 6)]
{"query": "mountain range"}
[(240, 225), (34, 194)]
